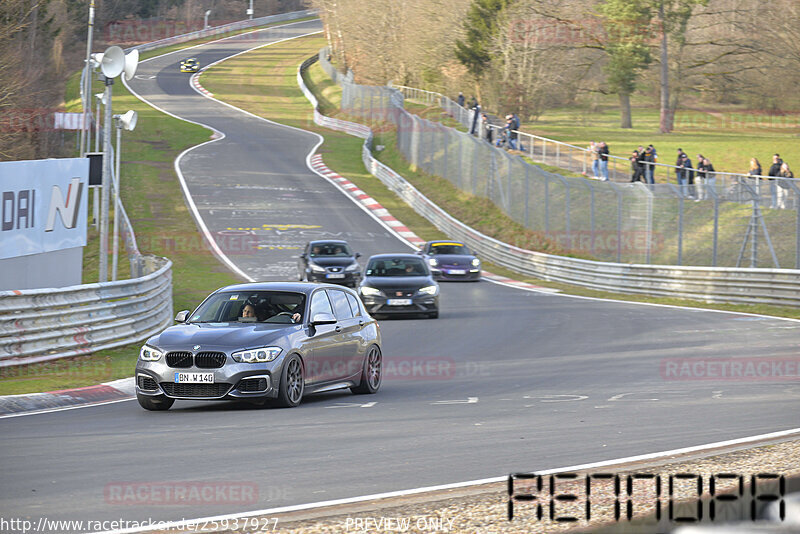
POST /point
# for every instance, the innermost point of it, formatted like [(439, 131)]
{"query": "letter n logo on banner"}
[(68, 210)]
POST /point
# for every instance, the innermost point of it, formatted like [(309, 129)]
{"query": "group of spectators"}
[(685, 175), (506, 136), (694, 182), (779, 190)]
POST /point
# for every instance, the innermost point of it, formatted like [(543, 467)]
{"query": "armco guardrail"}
[(39, 325), (712, 284), (226, 28)]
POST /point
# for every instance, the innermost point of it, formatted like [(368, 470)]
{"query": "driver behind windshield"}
[(261, 311)]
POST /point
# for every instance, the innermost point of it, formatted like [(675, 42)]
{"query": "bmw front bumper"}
[(244, 381)]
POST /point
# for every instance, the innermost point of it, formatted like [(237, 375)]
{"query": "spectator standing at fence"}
[(701, 177), (476, 113), (487, 128), (649, 164), (679, 174), (774, 171), (783, 185), (755, 168), (512, 132), (604, 152), (688, 176), (636, 167), (594, 153), (709, 178), (461, 99)]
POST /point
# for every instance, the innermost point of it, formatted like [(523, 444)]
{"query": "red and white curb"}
[(195, 81), (367, 201), (66, 399), (383, 214)]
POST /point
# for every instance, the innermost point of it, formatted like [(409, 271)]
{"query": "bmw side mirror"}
[(303, 255), (358, 255), (323, 318), (182, 316)]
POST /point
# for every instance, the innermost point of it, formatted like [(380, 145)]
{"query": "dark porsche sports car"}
[(399, 284), (330, 261), (190, 65), (263, 341), (451, 260)]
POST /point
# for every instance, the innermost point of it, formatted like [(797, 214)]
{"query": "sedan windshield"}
[(331, 250), (250, 307), (448, 248), (396, 267)]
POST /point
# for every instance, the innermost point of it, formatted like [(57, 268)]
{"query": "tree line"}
[(43, 42), (526, 56)]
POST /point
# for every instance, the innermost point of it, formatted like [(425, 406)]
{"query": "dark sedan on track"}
[(399, 284), (451, 260), (263, 341), (330, 261)]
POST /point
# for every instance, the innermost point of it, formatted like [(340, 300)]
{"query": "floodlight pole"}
[(103, 270), (115, 252), (86, 99)]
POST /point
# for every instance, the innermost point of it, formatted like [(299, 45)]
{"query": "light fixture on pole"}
[(205, 20), (113, 62), (126, 121)]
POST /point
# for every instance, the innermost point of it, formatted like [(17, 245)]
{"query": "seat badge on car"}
[(399, 293), (196, 347)]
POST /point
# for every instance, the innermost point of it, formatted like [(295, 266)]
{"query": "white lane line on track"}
[(320, 139), (64, 408), (219, 136), (415, 491)]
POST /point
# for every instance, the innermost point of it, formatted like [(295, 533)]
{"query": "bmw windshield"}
[(250, 307)]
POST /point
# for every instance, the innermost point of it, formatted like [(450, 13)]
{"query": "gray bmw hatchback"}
[(263, 341)]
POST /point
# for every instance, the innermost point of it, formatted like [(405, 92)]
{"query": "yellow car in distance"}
[(190, 65)]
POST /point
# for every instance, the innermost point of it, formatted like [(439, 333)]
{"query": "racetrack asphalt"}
[(506, 380)]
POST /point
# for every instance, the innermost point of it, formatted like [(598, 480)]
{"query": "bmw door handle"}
[(338, 328)]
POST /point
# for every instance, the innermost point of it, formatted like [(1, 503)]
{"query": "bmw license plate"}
[(457, 271), (334, 275), (399, 302), (194, 378)]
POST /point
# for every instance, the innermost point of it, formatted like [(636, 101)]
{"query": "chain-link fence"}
[(739, 222)]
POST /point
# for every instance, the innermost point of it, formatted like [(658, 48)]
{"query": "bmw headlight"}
[(370, 291), (429, 290), (149, 354), (433, 262), (260, 355), (316, 268), (352, 267), (476, 262)]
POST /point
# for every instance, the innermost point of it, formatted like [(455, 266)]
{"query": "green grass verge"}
[(264, 82)]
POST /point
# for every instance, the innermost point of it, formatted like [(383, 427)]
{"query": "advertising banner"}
[(43, 205)]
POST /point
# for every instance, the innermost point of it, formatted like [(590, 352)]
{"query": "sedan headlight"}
[(476, 262), (316, 268), (149, 354), (429, 290), (433, 262), (370, 291), (260, 355), (352, 267)]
